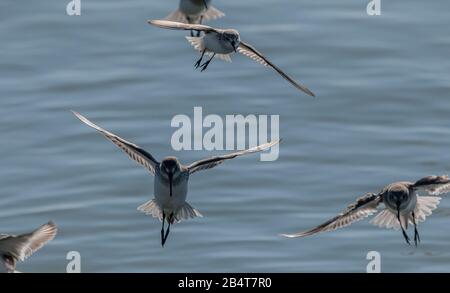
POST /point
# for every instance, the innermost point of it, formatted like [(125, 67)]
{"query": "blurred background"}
[(382, 114)]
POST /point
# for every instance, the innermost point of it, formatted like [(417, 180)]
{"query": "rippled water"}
[(382, 114)]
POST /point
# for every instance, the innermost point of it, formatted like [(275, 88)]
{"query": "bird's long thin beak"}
[(234, 46), (206, 4), (170, 183)]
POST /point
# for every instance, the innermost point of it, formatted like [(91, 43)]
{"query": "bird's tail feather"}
[(187, 212), (197, 43), (177, 16), (151, 208), (425, 207), (386, 219), (213, 13)]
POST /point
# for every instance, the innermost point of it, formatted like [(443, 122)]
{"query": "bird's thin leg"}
[(189, 20), (401, 226), (205, 65), (197, 64), (168, 228), (162, 229), (416, 232), (199, 32)]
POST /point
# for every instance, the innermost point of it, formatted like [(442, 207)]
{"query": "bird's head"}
[(399, 194), (170, 169), (232, 37), (170, 166)]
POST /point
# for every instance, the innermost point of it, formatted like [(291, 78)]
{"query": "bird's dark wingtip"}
[(311, 94), (307, 91)]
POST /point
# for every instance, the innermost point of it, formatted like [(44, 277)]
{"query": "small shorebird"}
[(221, 43), (18, 248), (171, 178), (403, 206), (194, 12)]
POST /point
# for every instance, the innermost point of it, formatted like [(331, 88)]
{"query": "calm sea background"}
[(382, 114)]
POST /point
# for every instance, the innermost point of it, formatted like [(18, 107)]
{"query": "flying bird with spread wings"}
[(171, 178), (403, 207), (221, 43), (15, 248)]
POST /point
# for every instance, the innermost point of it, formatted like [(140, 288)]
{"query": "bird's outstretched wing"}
[(133, 151), (250, 51), (362, 208), (167, 24), (214, 161), (433, 185), (23, 246), (213, 13)]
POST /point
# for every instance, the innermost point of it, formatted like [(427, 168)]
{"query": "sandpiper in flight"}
[(403, 206), (171, 178), (194, 12), (221, 43), (17, 248)]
